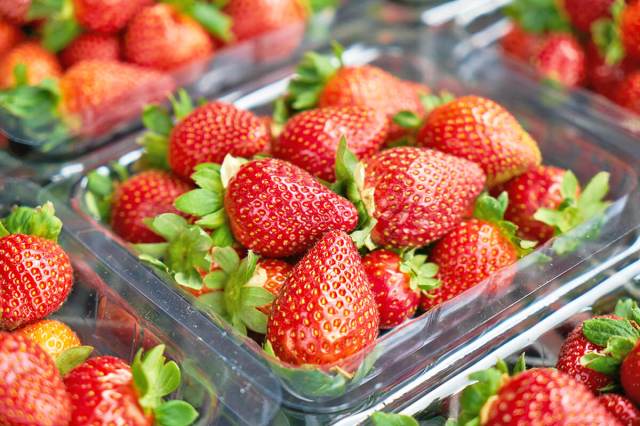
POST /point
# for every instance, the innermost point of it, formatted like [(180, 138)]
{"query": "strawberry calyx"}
[(576, 210), (71, 358), (35, 111), (412, 121), (184, 255), (159, 124), (607, 37), (101, 185), (538, 16), (477, 398), (239, 291), (153, 379), (317, 6), (207, 14), (492, 210), (60, 26), (380, 418), (349, 182), (420, 271), (39, 221), (618, 337)]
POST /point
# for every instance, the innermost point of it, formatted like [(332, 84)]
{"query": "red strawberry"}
[(31, 389), (414, 195), (310, 139), (603, 77), (15, 11), (278, 210), (38, 62), (144, 196), (583, 14), (397, 282), (91, 46), (35, 273), (210, 132), (475, 250), (629, 29), (106, 16), (628, 92), (538, 187), (326, 311), (55, 337), (630, 374), (163, 38), (106, 390), (572, 350), (10, 36), (481, 131), (271, 275), (520, 43), (561, 59), (253, 18), (622, 408)]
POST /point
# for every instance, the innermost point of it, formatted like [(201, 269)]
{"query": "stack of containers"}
[(425, 358)]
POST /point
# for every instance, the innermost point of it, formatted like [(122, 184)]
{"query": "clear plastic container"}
[(117, 307), (414, 353), (538, 332)]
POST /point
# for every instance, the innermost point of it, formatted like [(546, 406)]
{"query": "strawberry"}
[(161, 37), (31, 390), (39, 64), (35, 273), (620, 339), (482, 131), (621, 408), (106, 390), (271, 275), (55, 337), (602, 77), (408, 197), (15, 11), (540, 396), (324, 81), (397, 282), (143, 196), (583, 14), (325, 311), (474, 250), (310, 139), (91, 46), (628, 92), (572, 350), (561, 59), (520, 43), (10, 36), (628, 28), (252, 18), (106, 16)]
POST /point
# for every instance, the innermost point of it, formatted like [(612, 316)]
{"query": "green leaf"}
[(182, 104), (606, 35), (600, 363), (213, 220), (58, 32), (520, 366), (226, 258), (491, 209), (71, 358), (502, 366), (155, 250), (40, 221), (628, 309), (207, 176), (593, 194), (254, 320), (222, 237), (216, 280), (389, 419), (212, 19), (40, 9), (475, 396), (151, 260), (598, 331), (157, 119), (312, 74), (199, 202), (619, 347), (256, 296), (21, 75), (3, 231), (214, 302), (407, 120), (99, 184), (155, 150), (570, 185), (189, 278), (538, 16), (280, 112), (431, 101), (168, 225), (175, 413)]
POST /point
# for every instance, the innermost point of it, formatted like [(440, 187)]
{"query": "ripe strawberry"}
[(35, 272), (270, 274), (55, 337), (629, 29), (628, 92), (326, 311), (39, 64), (278, 210), (144, 196), (561, 59), (310, 139), (397, 282), (210, 132), (320, 83), (106, 16), (622, 408), (10, 36), (161, 37), (572, 350), (252, 18), (481, 131), (520, 43), (473, 251), (15, 11), (31, 389), (106, 390), (602, 77), (91, 46), (583, 14), (540, 186), (630, 374), (413, 196)]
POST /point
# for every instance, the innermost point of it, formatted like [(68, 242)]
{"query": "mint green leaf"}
[(157, 119), (216, 280), (153, 261), (175, 413), (213, 220), (388, 419), (491, 209), (476, 395), (619, 347), (628, 309), (548, 216), (595, 191), (169, 379), (189, 278), (155, 150), (155, 250), (502, 367), (99, 184), (407, 120), (254, 320), (207, 176), (212, 19), (71, 358), (570, 185), (168, 225), (600, 363), (3, 231), (214, 302), (222, 237), (199, 202), (598, 331), (182, 104), (226, 258), (256, 296)]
